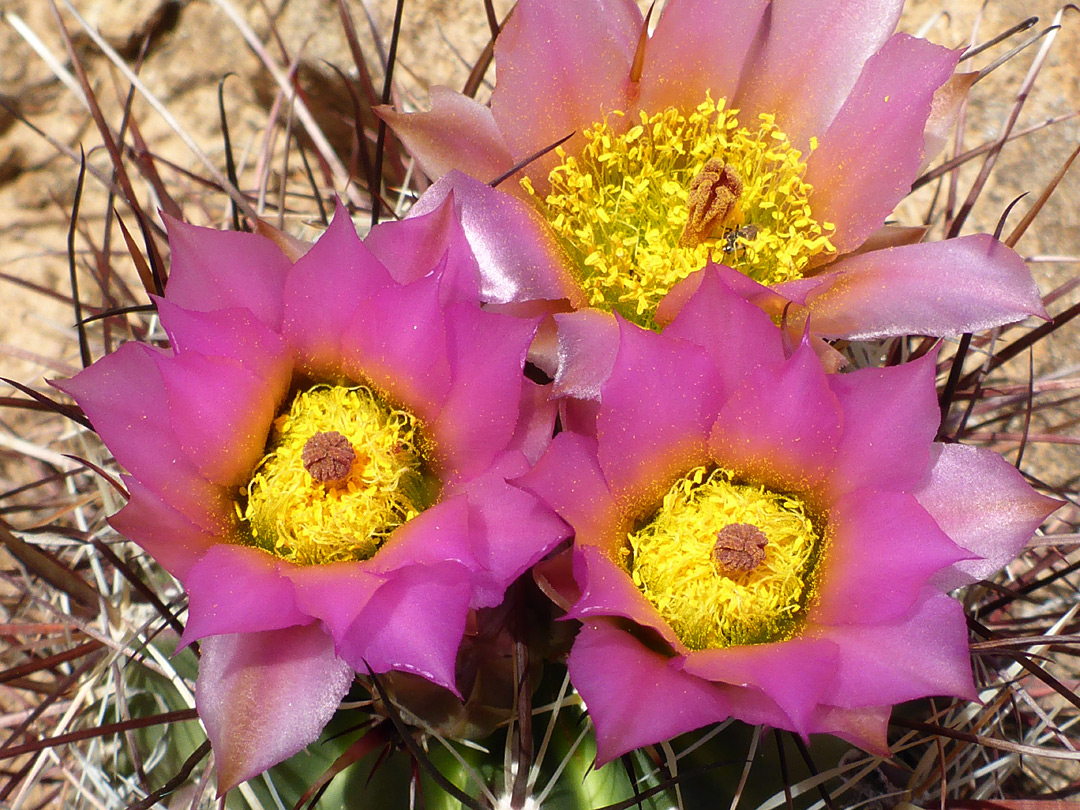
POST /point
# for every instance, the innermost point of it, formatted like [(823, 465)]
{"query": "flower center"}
[(343, 469), (641, 211), (727, 563)]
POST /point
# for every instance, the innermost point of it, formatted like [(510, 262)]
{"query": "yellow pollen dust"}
[(622, 207), (680, 560), (310, 519)]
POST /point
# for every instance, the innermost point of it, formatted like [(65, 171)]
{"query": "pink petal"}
[(633, 695), (324, 291), (737, 335), (265, 696), (561, 66), (220, 413), (866, 727), (923, 653), (773, 300), (608, 591), (588, 343), (170, 536), (813, 53), (871, 152), (536, 425), (936, 288), (421, 244), (882, 549), (698, 46), (487, 354), (795, 674), (984, 504), (413, 623), (781, 426), (396, 340), (437, 535), (232, 333), (214, 269), (238, 589), (944, 111), (890, 417), (511, 528), (137, 431), (568, 478), (518, 256), (334, 593), (656, 409), (458, 133)]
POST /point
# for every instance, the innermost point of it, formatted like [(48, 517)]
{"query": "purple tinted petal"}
[(487, 354), (324, 291), (220, 413), (458, 133), (923, 653), (536, 425), (510, 527), (561, 67), (413, 623), (871, 152), (655, 413), (984, 504), (633, 695), (813, 53), (396, 340), (737, 335), (882, 549), (334, 593), (232, 333), (698, 46), (781, 426), (418, 245), (518, 256), (568, 478), (124, 397), (265, 696), (437, 535), (168, 535), (214, 269), (795, 674), (945, 110), (866, 727), (607, 590), (891, 416), (588, 344), (237, 589), (936, 288)]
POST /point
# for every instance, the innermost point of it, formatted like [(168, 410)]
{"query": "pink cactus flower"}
[(758, 539), (320, 457), (773, 138)]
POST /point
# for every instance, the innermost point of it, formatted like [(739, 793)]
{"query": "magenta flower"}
[(758, 539), (321, 458), (773, 138)]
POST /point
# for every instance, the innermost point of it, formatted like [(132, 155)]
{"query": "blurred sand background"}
[(195, 44)]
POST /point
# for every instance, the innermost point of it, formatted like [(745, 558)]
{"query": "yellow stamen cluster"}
[(672, 559), (621, 207), (298, 518)]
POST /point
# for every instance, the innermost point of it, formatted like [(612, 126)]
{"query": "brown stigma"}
[(740, 547), (328, 457), (712, 196)]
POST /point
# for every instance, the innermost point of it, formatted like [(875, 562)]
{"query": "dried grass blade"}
[(57, 575)]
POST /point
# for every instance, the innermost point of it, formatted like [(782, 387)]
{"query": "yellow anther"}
[(727, 563), (342, 471), (626, 210)]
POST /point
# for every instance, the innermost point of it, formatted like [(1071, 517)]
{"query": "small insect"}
[(745, 233)]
